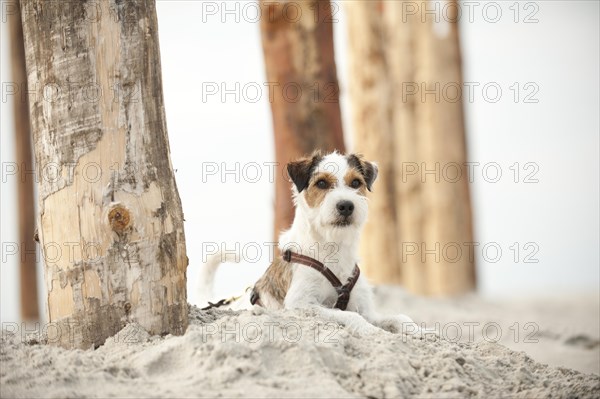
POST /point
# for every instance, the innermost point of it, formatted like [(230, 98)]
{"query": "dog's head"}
[(331, 189)]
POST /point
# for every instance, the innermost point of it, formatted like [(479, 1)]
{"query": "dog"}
[(331, 207)]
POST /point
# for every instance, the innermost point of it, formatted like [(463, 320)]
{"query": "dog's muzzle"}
[(344, 213)]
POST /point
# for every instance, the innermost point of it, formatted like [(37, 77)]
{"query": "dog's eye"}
[(322, 184), (355, 183)]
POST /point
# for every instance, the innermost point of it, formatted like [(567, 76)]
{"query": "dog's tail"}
[(206, 282)]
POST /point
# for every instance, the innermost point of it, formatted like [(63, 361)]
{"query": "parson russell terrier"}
[(318, 268)]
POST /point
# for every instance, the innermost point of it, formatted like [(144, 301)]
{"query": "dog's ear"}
[(370, 173), (368, 170), (301, 170)]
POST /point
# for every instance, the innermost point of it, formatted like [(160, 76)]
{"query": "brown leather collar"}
[(343, 290)]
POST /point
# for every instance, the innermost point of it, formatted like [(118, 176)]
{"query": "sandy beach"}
[(263, 353)]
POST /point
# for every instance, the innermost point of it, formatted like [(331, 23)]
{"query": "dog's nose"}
[(345, 208)]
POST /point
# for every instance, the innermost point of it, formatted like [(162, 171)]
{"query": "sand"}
[(263, 353)]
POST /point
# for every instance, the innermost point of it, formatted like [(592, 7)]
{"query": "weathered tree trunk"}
[(297, 41), (420, 65), (111, 222), (439, 121), (402, 54), (371, 97), (28, 273)]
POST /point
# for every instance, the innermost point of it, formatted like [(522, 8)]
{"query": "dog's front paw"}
[(367, 332), (406, 325), (399, 324)]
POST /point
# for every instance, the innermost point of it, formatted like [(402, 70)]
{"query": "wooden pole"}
[(110, 219), (435, 210), (449, 220), (406, 116), (297, 40), (26, 209), (371, 97), (402, 54)]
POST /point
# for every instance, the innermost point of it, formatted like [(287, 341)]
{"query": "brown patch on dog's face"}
[(318, 187), (355, 180)]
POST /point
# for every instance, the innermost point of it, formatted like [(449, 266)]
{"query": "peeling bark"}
[(107, 195), (297, 40)]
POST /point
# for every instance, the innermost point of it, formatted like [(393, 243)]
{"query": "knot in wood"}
[(119, 218)]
